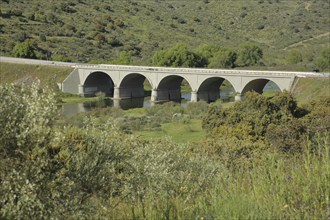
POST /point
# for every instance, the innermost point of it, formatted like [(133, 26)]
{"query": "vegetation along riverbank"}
[(264, 157)]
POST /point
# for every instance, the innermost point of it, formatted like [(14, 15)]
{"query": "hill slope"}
[(106, 31)]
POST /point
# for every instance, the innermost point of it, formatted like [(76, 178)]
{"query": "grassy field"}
[(308, 89), (48, 75), (179, 132)]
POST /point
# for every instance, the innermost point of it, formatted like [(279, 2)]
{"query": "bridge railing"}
[(195, 70)]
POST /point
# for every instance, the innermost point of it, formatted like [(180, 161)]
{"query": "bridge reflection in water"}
[(75, 108), (144, 102)]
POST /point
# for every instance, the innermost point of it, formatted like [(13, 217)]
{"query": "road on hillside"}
[(35, 62)]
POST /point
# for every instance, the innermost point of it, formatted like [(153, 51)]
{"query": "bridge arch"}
[(169, 88), (209, 89), (132, 85), (258, 85), (98, 82)]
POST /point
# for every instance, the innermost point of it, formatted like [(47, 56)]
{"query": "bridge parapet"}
[(196, 70), (127, 81)]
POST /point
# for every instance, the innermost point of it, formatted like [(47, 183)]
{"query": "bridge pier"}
[(194, 96), (238, 97), (116, 93), (81, 90), (154, 95), (116, 103)]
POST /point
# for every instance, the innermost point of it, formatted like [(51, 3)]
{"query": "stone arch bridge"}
[(128, 81)]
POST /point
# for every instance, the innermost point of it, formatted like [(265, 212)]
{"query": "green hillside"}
[(48, 75), (291, 34)]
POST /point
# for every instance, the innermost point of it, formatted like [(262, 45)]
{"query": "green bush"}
[(323, 62), (24, 50), (280, 109), (26, 115), (294, 57), (178, 56), (224, 58), (249, 54)]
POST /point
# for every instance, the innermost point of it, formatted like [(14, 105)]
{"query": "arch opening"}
[(173, 88), (215, 88), (134, 85), (262, 86), (98, 82)]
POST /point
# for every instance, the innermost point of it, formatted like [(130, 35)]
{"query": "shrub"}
[(288, 137), (323, 62), (26, 114), (196, 109), (178, 56), (249, 54), (278, 109), (60, 57), (294, 57), (42, 37), (20, 36), (224, 58)]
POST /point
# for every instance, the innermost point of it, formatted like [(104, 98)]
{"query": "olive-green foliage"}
[(276, 187), (196, 109), (26, 116), (323, 61), (249, 54), (318, 121), (224, 58), (60, 57), (217, 57), (95, 171), (276, 119), (165, 175), (24, 50), (165, 111), (91, 171), (279, 108), (124, 58), (288, 137), (294, 57), (177, 56), (91, 168)]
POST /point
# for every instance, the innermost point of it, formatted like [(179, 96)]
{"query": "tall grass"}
[(278, 187)]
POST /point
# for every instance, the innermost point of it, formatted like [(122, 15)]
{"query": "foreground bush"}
[(96, 171)]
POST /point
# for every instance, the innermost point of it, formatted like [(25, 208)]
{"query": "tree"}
[(179, 55), (323, 62), (24, 50), (123, 58), (278, 109), (249, 54), (224, 58)]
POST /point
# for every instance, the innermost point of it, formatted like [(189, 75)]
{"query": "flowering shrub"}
[(26, 115)]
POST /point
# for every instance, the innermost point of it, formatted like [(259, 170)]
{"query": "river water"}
[(75, 108), (226, 94)]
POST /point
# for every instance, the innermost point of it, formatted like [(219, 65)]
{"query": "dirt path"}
[(310, 39)]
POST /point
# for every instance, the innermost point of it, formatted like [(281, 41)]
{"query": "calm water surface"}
[(75, 108)]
